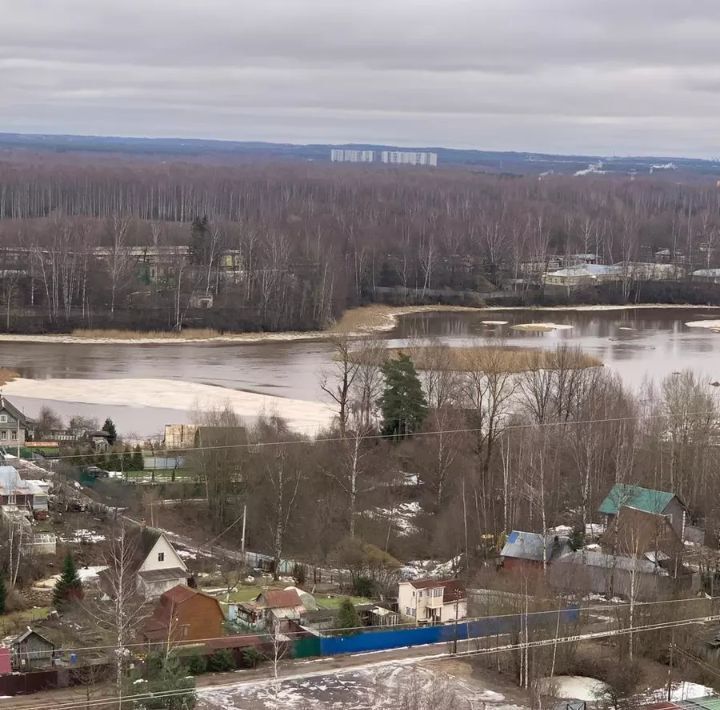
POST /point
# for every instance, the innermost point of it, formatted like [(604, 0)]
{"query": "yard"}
[(18, 620)]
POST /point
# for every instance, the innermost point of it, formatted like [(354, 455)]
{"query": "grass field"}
[(116, 334), (248, 592), (17, 620), (334, 602), (481, 358)]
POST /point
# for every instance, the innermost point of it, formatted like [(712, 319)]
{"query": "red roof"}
[(280, 599), (179, 594)]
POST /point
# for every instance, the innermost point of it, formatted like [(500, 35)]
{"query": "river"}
[(143, 387)]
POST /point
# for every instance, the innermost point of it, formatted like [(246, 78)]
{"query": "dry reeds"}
[(118, 334), (489, 359), (7, 375)]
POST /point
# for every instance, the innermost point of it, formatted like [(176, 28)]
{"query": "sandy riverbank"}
[(357, 322), (303, 416)]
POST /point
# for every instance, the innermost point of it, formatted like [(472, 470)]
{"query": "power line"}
[(437, 432), (99, 702), (543, 612)]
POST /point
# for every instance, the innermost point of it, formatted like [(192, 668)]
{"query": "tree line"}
[(306, 242)]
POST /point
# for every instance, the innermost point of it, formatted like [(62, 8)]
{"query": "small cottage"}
[(184, 614), (14, 425), (647, 500), (161, 570), (30, 650), (279, 606), (432, 601), (527, 550)]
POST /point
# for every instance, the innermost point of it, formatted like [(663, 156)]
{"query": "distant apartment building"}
[(390, 157), (409, 157), (341, 155)]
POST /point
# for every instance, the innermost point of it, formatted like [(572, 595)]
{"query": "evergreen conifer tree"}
[(403, 402), (109, 427), (138, 463), (348, 617), (68, 588)]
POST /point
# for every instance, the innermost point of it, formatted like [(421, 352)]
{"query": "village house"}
[(432, 601), (638, 533), (183, 614), (161, 570), (15, 491), (527, 550), (595, 572), (279, 607), (15, 427), (647, 500), (29, 650)]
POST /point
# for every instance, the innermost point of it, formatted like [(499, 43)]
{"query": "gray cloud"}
[(609, 77)]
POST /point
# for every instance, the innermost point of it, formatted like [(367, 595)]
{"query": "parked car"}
[(95, 472)]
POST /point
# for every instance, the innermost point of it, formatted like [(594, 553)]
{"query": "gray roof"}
[(532, 546), (163, 575), (606, 561)]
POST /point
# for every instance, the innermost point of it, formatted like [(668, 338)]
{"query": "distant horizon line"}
[(360, 144)]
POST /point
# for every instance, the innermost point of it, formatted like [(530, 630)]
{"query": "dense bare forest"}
[(97, 241)]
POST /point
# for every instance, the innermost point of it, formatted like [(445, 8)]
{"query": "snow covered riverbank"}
[(304, 416)]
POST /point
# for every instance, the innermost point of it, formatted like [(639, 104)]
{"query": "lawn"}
[(248, 592), (17, 620), (325, 602)]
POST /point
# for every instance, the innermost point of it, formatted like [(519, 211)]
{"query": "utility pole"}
[(670, 667), (242, 544), (455, 627)]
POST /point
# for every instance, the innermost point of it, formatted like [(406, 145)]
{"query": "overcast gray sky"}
[(593, 76)]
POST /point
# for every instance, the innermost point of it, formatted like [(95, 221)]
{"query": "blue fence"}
[(399, 638)]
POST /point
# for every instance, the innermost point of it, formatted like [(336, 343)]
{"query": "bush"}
[(221, 661), (252, 657), (197, 664), (363, 587), (298, 574)]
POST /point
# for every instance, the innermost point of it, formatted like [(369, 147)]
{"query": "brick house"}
[(182, 615)]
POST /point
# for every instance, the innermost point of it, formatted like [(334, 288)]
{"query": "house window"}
[(13, 434), (3, 434), (161, 557), (3, 418)]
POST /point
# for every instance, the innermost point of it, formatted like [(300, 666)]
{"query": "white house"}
[(161, 570), (432, 601)]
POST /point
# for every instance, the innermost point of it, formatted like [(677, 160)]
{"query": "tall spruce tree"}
[(109, 427), (68, 588), (403, 402), (348, 618), (138, 462)]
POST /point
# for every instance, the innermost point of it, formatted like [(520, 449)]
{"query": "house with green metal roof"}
[(623, 495)]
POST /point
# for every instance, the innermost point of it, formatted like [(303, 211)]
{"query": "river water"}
[(636, 343)]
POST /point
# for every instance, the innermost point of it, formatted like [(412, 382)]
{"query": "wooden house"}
[(183, 615)]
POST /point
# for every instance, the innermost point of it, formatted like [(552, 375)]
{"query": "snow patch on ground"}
[(371, 687), (402, 516), (85, 537), (86, 574), (709, 324), (541, 327), (304, 416), (575, 687), (682, 691)]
